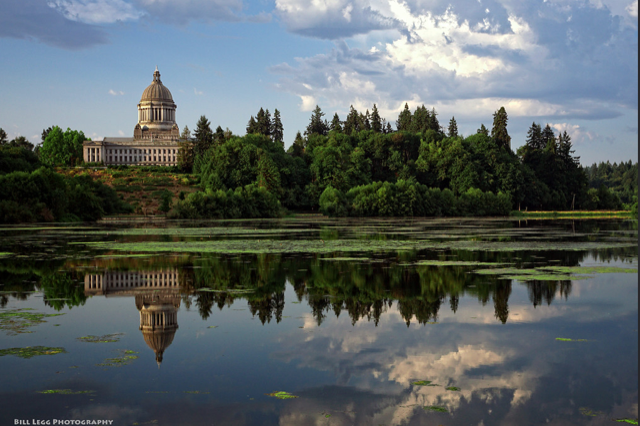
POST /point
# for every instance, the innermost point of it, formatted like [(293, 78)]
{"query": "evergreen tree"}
[(483, 130), (388, 128), (499, 131), (252, 126), (336, 125), (534, 137), (203, 136), (404, 119), (297, 148), (367, 121), (352, 123), (316, 124), (277, 130), (565, 149), (185, 151), (219, 136), (186, 133), (263, 120), (420, 120), (549, 139), (376, 122), (434, 124), (453, 128), (268, 175)]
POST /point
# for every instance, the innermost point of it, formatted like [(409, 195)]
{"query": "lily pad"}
[(31, 351), (436, 408), (452, 388), (630, 421), (16, 321), (563, 339), (424, 383), (65, 391), (107, 338), (126, 359), (281, 395)]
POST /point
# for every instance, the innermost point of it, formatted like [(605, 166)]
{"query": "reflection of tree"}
[(62, 290), (501, 300), (266, 307), (546, 290)]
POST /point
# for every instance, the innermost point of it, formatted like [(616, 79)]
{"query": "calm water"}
[(221, 314)]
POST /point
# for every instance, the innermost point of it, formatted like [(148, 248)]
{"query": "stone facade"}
[(155, 136)]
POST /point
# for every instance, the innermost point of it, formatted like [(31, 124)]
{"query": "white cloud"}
[(308, 103), (116, 93), (96, 11), (121, 133), (578, 135), (632, 9), (197, 92)]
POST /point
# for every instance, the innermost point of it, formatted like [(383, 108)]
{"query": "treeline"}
[(31, 191), (621, 179), (361, 167)]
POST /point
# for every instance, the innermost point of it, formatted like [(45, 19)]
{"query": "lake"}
[(314, 321)]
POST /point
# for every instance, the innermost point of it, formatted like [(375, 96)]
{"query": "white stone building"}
[(155, 136)]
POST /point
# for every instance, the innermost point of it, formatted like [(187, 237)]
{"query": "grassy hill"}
[(142, 187)]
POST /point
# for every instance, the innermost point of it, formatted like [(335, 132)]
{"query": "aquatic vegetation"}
[(452, 388), (213, 326), (16, 321), (335, 246), (66, 392), (126, 359), (553, 273), (281, 395), (546, 277), (454, 263), (589, 412), (31, 351), (424, 383), (630, 421), (563, 339), (196, 392), (107, 338), (436, 408)]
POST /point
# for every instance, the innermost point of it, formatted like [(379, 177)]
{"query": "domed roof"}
[(156, 91)]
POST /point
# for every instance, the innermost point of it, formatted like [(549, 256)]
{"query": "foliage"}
[(13, 158), (62, 148), (250, 201)]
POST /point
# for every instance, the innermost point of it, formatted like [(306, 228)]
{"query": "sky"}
[(83, 64)]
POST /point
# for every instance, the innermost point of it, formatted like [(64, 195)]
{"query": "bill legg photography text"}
[(34, 422)]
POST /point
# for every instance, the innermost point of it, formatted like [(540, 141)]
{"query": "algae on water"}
[(281, 395), (31, 351)]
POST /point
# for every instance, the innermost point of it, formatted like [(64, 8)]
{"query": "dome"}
[(156, 91)]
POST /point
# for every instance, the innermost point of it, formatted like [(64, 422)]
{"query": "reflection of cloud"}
[(119, 414)]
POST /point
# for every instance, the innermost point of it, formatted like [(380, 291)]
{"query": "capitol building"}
[(155, 136)]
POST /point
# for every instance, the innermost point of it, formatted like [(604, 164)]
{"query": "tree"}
[(219, 136), (22, 142), (185, 150), (483, 130), (499, 131), (367, 121), (203, 136), (336, 124), (404, 119), (297, 148), (3, 136), (549, 139), (62, 148), (166, 202), (376, 121), (316, 124), (453, 128), (277, 130), (534, 137), (263, 123), (252, 126), (45, 132), (352, 123), (434, 124)]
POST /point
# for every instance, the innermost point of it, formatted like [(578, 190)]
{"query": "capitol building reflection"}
[(157, 297)]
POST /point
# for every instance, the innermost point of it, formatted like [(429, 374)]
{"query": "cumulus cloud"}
[(536, 59), (578, 134), (96, 11), (116, 92), (632, 9)]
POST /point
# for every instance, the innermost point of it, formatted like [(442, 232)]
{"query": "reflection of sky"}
[(512, 374)]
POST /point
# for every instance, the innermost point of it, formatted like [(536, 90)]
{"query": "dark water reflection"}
[(215, 333)]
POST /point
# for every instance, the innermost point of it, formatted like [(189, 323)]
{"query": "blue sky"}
[(83, 64)]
